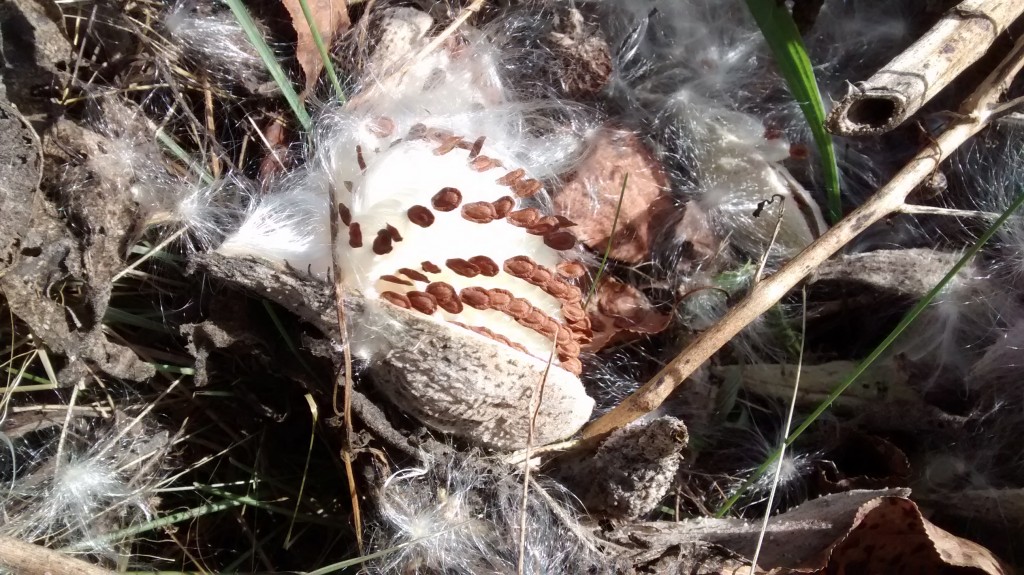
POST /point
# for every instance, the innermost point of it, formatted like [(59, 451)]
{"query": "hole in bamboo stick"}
[(872, 112)]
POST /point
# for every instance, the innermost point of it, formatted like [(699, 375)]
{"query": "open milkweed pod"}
[(461, 282), (466, 291)]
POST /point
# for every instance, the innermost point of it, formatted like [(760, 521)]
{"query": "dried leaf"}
[(331, 19), (620, 312), (890, 535), (590, 197)]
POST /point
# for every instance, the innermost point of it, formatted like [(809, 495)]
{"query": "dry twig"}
[(29, 559), (346, 412)]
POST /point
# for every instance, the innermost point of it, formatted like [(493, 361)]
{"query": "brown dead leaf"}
[(860, 531), (620, 312), (889, 535), (331, 19), (590, 196)]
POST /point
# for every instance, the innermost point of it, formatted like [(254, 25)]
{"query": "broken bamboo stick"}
[(910, 80)]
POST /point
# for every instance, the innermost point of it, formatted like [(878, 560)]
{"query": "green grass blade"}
[(173, 147), (784, 40), (115, 315), (611, 242), (161, 522), (270, 61), (875, 354), (324, 56)]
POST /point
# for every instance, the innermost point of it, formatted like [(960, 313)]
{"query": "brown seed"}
[(446, 296), (524, 218), (500, 299), (359, 158), (345, 214), (417, 131), (422, 302), (582, 334), (483, 163), (382, 127), (446, 200), (382, 243), (572, 365), (573, 312), (519, 266), (453, 305), (479, 212), (564, 222), (502, 206), (572, 349), (543, 226), (560, 240), (475, 297), (462, 267), (571, 270), (393, 232), (535, 320), (511, 177), (413, 274), (430, 267), (447, 144), (477, 146), (541, 276), (550, 327), (421, 216), (438, 134), (519, 308), (355, 236), (348, 185), (491, 335), (441, 291), (486, 265), (574, 295), (527, 188), (556, 288), (396, 299), (395, 280)]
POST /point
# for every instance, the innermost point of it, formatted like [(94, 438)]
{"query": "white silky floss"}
[(463, 283)]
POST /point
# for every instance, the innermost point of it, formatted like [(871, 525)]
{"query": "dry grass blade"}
[(535, 401), (611, 242), (466, 14), (976, 113), (28, 559), (784, 434), (346, 412)]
